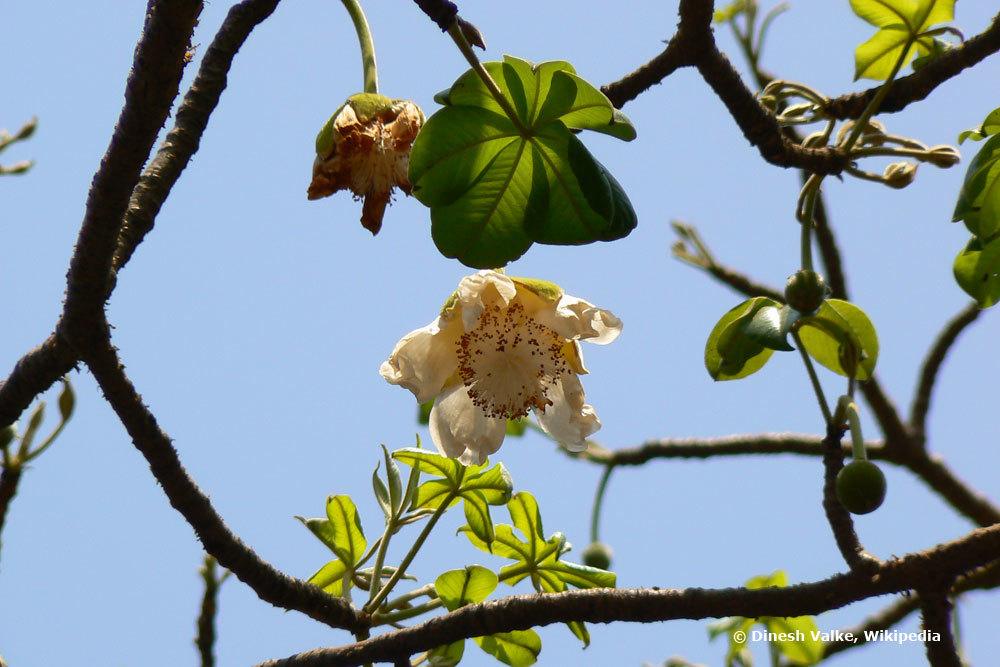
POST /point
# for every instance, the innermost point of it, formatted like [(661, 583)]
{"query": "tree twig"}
[(205, 638), (932, 365)]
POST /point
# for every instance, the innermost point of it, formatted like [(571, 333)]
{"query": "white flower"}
[(500, 347)]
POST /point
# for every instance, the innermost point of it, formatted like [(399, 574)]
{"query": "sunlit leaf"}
[(977, 271), (841, 337), (519, 648), (905, 30), (979, 200), (730, 353), (457, 588)]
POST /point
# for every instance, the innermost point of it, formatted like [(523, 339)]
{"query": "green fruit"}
[(861, 487), (805, 291), (597, 554)]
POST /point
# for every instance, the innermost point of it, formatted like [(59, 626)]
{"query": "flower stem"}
[(814, 379), (463, 45), (365, 42), (595, 516), (411, 554)]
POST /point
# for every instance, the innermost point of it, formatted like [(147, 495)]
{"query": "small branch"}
[(270, 584), (151, 88), (840, 519), (935, 609), (932, 365), (646, 76), (919, 85), (765, 444), (699, 256), (442, 12), (33, 373), (184, 139), (10, 476), (939, 477), (205, 639)]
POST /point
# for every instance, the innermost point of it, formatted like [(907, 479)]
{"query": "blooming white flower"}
[(500, 347)]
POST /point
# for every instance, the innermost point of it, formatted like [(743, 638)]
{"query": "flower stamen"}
[(510, 361)]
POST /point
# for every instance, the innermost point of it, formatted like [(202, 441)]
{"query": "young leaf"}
[(730, 353), (799, 641), (431, 463), (477, 516), (381, 493), (457, 588), (348, 538), (519, 648), (977, 271), (905, 30), (990, 126), (496, 185), (979, 200), (395, 484), (841, 337), (330, 577), (448, 655)]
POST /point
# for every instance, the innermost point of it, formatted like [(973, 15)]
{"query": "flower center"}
[(509, 362)]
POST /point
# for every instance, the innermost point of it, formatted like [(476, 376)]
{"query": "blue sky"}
[(254, 321)]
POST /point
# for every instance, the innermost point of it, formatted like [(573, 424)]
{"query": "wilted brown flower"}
[(365, 148)]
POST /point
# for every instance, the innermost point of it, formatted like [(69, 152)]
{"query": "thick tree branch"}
[(932, 364), (978, 548), (920, 84), (270, 584)]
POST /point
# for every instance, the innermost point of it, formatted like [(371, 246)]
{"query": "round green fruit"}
[(805, 291), (861, 487), (597, 554)]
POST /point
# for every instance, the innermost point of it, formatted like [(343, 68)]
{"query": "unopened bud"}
[(899, 174), (943, 156)]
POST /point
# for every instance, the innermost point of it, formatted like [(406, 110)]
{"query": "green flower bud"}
[(861, 487), (943, 156), (597, 554), (899, 174), (805, 291)]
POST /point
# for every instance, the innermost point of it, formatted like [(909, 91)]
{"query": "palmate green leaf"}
[(979, 200), (493, 190), (731, 352), (457, 588), (904, 25), (477, 516), (977, 271), (537, 557), (841, 337), (428, 462), (519, 648)]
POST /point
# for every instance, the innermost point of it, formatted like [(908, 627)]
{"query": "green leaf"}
[(424, 412), (777, 579), (494, 484), (767, 328), (730, 353), (457, 588), (904, 32), (977, 271), (990, 126), (330, 577), (517, 427), (395, 483), (448, 655), (979, 200), (729, 12), (477, 516), (429, 462), (801, 645), (841, 337), (525, 515), (494, 188), (381, 493), (519, 648), (348, 538)]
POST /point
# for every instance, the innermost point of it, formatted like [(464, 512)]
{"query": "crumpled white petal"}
[(424, 359), (577, 319), (461, 430), (569, 420), (480, 289)]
